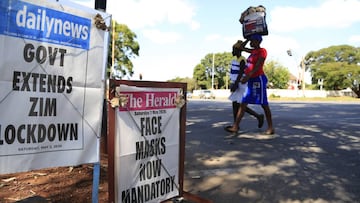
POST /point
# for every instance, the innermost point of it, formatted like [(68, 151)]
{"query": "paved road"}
[(314, 156)]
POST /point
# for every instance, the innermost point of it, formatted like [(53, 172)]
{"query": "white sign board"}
[(51, 89), (147, 145)]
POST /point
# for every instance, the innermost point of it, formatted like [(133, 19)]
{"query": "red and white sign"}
[(147, 145)]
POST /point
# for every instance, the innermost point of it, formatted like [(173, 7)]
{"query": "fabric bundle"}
[(253, 20)]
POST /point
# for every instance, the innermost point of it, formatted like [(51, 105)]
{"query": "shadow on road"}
[(314, 156)]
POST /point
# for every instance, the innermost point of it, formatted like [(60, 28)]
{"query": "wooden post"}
[(110, 144)]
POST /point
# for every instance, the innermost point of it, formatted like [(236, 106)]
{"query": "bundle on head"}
[(251, 10)]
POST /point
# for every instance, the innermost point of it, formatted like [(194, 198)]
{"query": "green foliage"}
[(340, 53), (201, 78), (126, 47), (272, 96), (203, 71), (190, 82), (338, 66), (278, 76), (312, 86)]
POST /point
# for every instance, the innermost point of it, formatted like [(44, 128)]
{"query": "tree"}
[(200, 77), (203, 71), (338, 66), (190, 82), (278, 76), (126, 47)]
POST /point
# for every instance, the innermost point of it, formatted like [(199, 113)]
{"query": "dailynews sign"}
[(43, 24)]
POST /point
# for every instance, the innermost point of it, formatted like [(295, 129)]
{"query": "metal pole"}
[(101, 6), (112, 49), (303, 76), (213, 67)]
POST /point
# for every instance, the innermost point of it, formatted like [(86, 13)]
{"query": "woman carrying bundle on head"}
[(257, 81), (236, 87)]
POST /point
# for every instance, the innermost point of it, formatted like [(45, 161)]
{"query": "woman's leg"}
[(260, 117), (235, 107), (268, 115), (240, 114)]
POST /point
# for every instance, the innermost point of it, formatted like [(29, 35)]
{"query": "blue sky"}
[(174, 35)]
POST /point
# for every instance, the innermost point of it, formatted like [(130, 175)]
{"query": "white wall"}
[(288, 93)]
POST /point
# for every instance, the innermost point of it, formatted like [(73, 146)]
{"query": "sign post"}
[(51, 94), (146, 141)]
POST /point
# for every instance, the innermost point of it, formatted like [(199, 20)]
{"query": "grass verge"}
[(316, 99)]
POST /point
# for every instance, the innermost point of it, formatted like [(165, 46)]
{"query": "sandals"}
[(269, 132), (230, 130)]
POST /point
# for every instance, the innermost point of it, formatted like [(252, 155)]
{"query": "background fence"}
[(224, 93)]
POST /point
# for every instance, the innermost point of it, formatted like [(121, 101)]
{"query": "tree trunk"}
[(357, 91)]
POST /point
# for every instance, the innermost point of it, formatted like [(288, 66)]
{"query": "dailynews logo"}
[(25, 20)]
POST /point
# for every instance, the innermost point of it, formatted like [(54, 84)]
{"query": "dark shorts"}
[(256, 91)]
